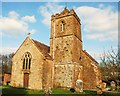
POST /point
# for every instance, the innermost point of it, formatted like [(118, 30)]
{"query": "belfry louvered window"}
[(27, 60), (62, 26)]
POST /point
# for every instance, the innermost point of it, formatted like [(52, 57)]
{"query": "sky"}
[(99, 24)]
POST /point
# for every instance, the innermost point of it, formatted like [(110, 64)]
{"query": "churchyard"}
[(64, 67), (7, 90)]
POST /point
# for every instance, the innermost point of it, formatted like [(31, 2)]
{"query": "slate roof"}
[(43, 48)]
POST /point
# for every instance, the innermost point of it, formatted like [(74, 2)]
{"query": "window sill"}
[(26, 70)]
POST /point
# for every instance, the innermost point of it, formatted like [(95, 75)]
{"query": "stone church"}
[(38, 66)]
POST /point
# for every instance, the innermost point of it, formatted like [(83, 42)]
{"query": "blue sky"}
[(99, 24)]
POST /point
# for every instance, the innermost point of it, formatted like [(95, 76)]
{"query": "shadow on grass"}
[(12, 91)]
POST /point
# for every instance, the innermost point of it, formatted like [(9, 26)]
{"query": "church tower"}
[(65, 48)]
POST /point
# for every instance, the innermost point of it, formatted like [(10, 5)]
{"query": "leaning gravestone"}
[(79, 86), (113, 85)]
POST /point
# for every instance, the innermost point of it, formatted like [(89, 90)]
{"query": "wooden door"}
[(26, 79)]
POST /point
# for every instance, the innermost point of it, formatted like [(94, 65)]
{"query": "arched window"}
[(27, 60), (62, 26)]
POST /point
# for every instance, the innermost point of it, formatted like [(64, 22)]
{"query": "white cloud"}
[(30, 19), (101, 5), (14, 26), (98, 23), (97, 54), (101, 24), (8, 50), (49, 9), (13, 14)]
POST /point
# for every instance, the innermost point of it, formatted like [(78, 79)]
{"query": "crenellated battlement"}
[(64, 13)]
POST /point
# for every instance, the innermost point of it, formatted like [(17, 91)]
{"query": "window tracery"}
[(27, 60)]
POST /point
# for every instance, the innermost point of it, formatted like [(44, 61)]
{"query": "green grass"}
[(62, 91), (10, 90)]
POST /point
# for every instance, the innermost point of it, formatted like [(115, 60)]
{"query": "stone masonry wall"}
[(91, 74), (72, 27), (36, 70), (76, 50), (65, 48), (63, 75), (47, 74)]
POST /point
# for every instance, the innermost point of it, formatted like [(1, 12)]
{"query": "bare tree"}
[(6, 63), (110, 67)]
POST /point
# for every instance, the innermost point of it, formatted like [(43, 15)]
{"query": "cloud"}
[(8, 50), (13, 14), (99, 24), (13, 25), (30, 19), (98, 53), (101, 5), (49, 9)]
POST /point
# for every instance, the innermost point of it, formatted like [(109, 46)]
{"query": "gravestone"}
[(113, 85), (48, 91), (79, 86)]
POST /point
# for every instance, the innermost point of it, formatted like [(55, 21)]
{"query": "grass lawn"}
[(10, 90)]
